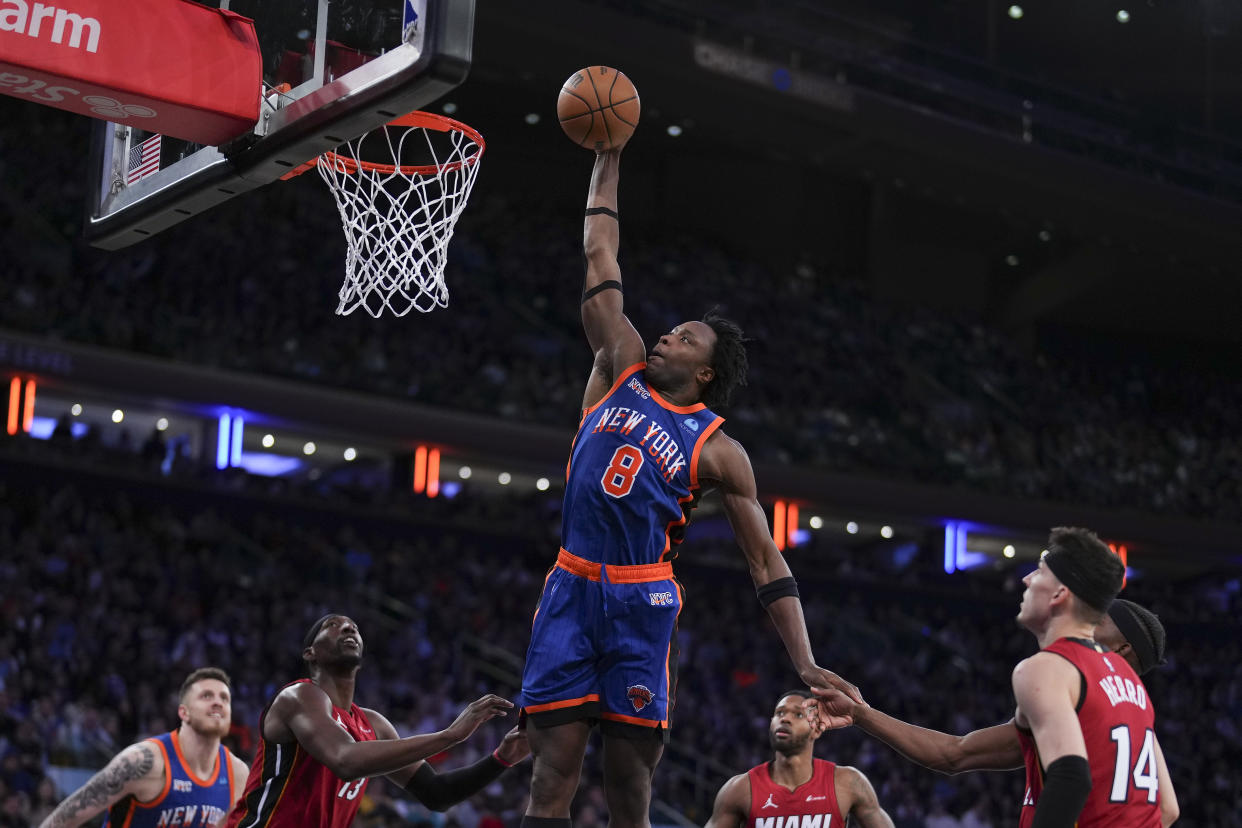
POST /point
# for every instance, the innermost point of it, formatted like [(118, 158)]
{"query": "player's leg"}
[(637, 693), (556, 755), (560, 694), (630, 760)]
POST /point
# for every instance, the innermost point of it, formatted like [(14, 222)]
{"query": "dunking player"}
[(184, 778), (1114, 716), (318, 748), (795, 787), (602, 642)]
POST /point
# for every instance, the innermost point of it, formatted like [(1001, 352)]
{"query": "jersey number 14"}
[(1145, 777)]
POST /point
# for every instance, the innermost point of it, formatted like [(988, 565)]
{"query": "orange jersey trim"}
[(698, 448), (626, 374), (634, 720), (204, 783), (545, 586), (167, 779), (676, 409), (228, 757), (668, 654), (617, 574), (557, 705)]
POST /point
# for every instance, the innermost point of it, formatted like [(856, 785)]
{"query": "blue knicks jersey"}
[(186, 801), (633, 474)]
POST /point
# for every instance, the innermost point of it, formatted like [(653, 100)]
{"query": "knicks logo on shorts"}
[(661, 599), (639, 696)]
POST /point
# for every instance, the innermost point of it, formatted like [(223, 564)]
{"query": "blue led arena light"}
[(222, 441), (239, 425)]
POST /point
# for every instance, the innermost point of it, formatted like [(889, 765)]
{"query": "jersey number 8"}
[(618, 478)]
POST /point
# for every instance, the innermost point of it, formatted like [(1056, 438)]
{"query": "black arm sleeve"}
[(1067, 782), (441, 791)]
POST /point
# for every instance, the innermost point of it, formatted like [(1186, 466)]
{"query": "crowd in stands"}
[(118, 587), (838, 380)]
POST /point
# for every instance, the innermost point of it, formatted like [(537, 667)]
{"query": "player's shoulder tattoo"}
[(130, 764)]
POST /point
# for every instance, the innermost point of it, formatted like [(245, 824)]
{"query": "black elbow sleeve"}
[(1067, 782)]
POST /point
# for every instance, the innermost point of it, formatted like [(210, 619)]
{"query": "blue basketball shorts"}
[(603, 645)]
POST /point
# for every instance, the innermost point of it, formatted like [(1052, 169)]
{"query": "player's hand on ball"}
[(476, 713), (514, 747)]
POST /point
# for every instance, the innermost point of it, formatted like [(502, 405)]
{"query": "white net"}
[(399, 218)]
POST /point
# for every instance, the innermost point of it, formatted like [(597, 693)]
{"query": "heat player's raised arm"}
[(613, 340)]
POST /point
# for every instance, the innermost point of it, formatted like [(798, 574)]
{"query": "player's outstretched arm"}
[(858, 801), (441, 791), (1169, 809), (724, 461), (991, 748), (612, 338), (305, 712), (138, 771), (732, 804), (1046, 688)]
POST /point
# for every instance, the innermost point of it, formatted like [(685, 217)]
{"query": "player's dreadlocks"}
[(728, 359)]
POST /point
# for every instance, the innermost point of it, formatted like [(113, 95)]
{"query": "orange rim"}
[(424, 120)]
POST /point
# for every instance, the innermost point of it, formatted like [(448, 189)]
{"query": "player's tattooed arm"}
[(105, 788)]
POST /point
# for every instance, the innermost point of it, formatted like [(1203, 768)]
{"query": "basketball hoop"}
[(399, 217)]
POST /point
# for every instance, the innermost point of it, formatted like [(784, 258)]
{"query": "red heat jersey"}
[(1118, 726), (812, 804), (287, 788)]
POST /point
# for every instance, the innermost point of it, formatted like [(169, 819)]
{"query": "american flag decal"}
[(144, 159)]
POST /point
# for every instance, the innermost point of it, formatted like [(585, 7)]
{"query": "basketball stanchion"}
[(399, 216)]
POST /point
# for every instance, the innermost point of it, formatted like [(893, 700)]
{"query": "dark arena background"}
[(989, 257)]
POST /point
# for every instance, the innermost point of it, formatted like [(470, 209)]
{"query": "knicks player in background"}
[(1129, 630), (185, 778), (318, 749), (1084, 726), (603, 645), (795, 788)]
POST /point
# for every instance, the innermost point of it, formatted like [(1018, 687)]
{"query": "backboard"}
[(332, 70)]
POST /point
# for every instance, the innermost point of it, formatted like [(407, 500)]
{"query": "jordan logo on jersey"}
[(770, 803)]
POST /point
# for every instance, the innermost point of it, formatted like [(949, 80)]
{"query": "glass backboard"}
[(332, 70)]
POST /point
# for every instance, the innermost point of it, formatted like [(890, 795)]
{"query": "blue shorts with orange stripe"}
[(603, 645)]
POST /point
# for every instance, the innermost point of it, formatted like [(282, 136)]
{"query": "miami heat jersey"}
[(186, 801), (288, 788), (1118, 726), (810, 805), (633, 474)]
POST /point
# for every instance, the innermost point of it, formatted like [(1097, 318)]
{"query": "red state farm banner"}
[(167, 66)]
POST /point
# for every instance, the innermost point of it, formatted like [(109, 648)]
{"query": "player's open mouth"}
[(353, 641)]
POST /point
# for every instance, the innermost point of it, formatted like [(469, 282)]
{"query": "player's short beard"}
[(794, 746)]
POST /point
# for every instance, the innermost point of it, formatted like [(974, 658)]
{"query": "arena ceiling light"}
[(886, 532), (75, 409), (1015, 12), (1123, 16), (464, 472), (542, 484), (161, 424)]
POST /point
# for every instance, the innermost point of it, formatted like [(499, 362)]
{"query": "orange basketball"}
[(598, 107)]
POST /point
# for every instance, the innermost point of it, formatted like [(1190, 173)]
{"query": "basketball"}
[(598, 108)]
